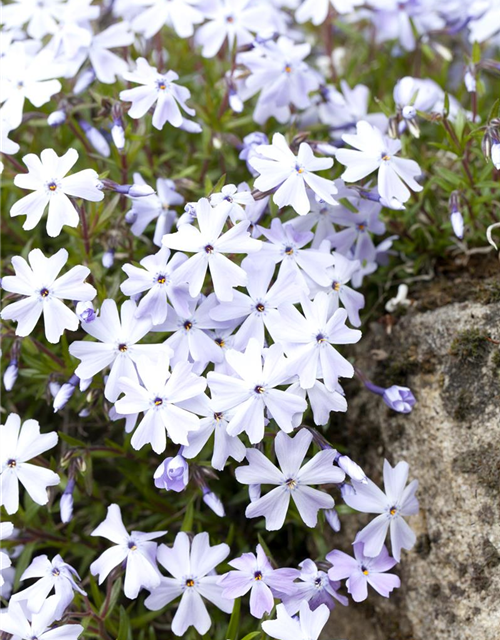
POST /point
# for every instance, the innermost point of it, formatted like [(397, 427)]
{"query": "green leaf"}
[(187, 523), (97, 596), (252, 635), (115, 594), (234, 622), (476, 53), (220, 183), (125, 628), (74, 442), (23, 561)]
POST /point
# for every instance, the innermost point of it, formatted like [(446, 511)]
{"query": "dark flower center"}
[(291, 483), (161, 279), (258, 389), (393, 511), (289, 250), (132, 546), (158, 402), (209, 249), (260, 307), (11, 463), (320, 338), (122, 347), (220, 342), (188, 325), (52, 186), (56, 572), (190, 582), (317, 582), (218, 416), (44, 292), (364, 570), (336, 285), (257, 575)]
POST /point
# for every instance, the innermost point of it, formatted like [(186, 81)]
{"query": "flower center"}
[(209, 249), (188, 325), (259, 390), (299, 168), (220, 342), (288, 69), (260, 307), (364, 570), (158, 402), (257, 575), (44, 292), (291, 483), (161, 279), (161, 85), (52, 186), (320, 338), (386, 158), (56, 572), (11, 463), (317, 582), (289, 250), (122, 347), (336, 285), (218, 416), (132, 546), (190, 582), (393, 511)]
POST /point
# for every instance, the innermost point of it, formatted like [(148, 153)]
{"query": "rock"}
[(451, 579)]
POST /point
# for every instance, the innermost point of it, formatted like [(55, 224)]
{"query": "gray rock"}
[(451, 579)]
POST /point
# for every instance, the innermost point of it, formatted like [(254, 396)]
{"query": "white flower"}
[(181, 15), (159, 399), (20, 444), (39, 282), (317, 10), (374, 151), (308, 627), (235, 20), (6, 529), (292, 480), (232, 200), (7, 146), (253, 391), (280, 168), (53, 574), (25, 77), (15, 621), (108, 65), (209, 245), (192, 566), (159, 88), (46, 178), (156, 277), (117, 347), (308, 339), (41, 15), (136, 549)]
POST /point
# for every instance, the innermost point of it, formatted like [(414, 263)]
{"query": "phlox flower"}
[(192, 565), (172, 474), (342, 109), (255, 573), (156, 277), (356, 237), (25, 77), (54, 575), (106, 64), (41, 17), (322, 400), (181, 15), (286, 247), (279, 73), (157, 398), (135, 549), (292, 480), (15, 621), (209, 245), (307, 627), (281, 169), (118, 336), (156, 87), (393, 505), (255, 307), (307, 340), (190, 340), (254, 390), (315, 588), (317, 10), (6, 530), (235, 20), (38, 281), (47, 179), (232, 200), (19, 445), (212, 422), (362, 571), (375, 152)]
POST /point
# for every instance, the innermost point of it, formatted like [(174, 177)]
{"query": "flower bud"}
[(96, 139), (352, 469), (172, 474), (409, 112), (457, 222), (400, 399), (85, 311), (65, 392), (66, 502), (332, 517), (10, 375), (140, 191), (56, 118), (495, 155), (235, 102), (118, 134), (84, 80), (108, 258), (214, 502)]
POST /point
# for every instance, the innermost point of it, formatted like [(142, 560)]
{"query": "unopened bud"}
[(66, 502), (118, 134), (332, 517), (108, 258), (96, 139), (214, 502), (10, 375), (352, 469), (84, 80), (56, 118)]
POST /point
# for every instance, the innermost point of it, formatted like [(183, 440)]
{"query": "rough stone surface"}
[(451, 579)]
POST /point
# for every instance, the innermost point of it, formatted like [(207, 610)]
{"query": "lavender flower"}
[(362, 571), (307, 627), (255, 573), (291, 480), (392, 506), (400, 399)]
